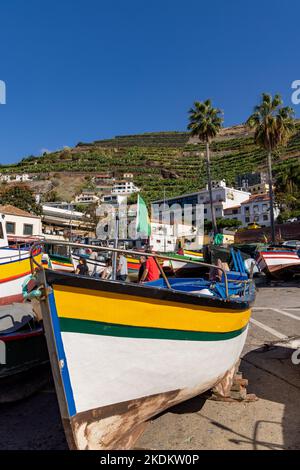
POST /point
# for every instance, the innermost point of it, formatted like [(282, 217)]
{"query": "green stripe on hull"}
[(71, 325)]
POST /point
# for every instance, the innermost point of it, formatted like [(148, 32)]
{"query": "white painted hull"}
[(108, 370), (14, 269), (275, 263)]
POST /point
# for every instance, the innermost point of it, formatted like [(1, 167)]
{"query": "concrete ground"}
[(272, 422)]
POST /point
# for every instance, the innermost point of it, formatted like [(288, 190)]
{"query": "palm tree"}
[(273, 124), (288, 188), (205, 123)]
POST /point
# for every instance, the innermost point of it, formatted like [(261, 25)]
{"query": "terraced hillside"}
[(169, 160)]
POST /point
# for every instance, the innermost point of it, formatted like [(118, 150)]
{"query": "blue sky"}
[(80, 70)]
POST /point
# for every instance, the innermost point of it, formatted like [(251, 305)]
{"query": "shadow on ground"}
[(272, 377)]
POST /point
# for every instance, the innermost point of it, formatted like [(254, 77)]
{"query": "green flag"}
[(143, 225)]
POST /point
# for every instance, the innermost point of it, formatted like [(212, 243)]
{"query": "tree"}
[(273, 124), (20, 196), (206, 123), (51, 196), (288, 188), (223, 223)]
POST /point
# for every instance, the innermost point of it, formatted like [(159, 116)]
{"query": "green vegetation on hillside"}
[(179, 169)]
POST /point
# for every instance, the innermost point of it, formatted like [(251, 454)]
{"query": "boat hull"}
[(279, 264), (125, 353), (14, 268), (161, 374), (24, 361)]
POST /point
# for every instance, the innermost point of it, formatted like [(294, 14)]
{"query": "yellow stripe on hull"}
[(16, 268), (106, 307)]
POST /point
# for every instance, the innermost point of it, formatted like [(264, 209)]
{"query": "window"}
[(235, 211), (1, 231), (265, 217), (205, 211), (247, 220), (11, 227), (28, 229), (247, 209)]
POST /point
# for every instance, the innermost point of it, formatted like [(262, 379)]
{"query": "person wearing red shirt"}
[(151, 271)]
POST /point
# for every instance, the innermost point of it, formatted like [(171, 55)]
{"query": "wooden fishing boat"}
[(14, 268), (279, 263), (179, 265), (58, 263), (24, 361), (123, 352), (133, 264)]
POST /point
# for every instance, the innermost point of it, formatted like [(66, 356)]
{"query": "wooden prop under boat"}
[(122, 352), (279, 264)]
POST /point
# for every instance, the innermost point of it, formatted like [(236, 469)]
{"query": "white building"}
[(86, 199), (165, 237), (260, 188), (64, 221), (124, 187), (23, 178), (223, 198), (20, 224), (256, 209)]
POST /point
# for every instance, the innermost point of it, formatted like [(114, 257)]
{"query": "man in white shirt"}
[(122, 268)]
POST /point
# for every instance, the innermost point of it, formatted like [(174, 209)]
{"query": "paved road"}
[(273, 422)]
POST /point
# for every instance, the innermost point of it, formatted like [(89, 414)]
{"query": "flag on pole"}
[(143, 225)]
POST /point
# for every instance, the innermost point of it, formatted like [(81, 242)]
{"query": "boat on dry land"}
[(279, 263), (24, 361), (23, 351), (14, 267), (123, 352)]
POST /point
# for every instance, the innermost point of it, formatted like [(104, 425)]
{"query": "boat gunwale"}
[(150, 292)]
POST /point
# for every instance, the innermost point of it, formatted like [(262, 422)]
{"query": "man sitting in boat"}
[(143, 260), (151, 271)]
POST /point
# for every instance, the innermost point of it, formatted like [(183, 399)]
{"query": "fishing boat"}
[(213, 253), (24, 361), (14, 267), (122, 352), (179, 265), (279, 263), (133, 264), (58, 262)]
